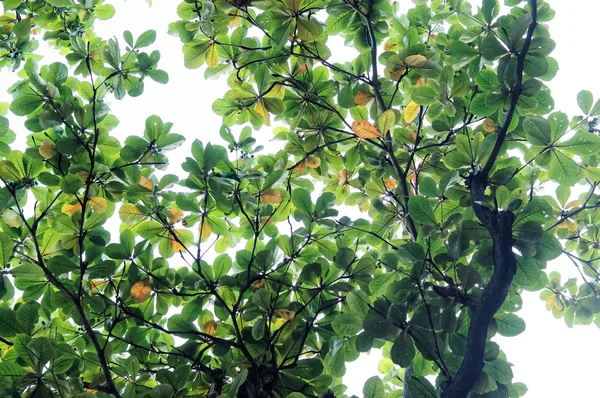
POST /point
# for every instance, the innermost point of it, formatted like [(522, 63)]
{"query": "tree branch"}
[(499, 224)]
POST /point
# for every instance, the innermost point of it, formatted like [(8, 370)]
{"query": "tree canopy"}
[(417, 188)]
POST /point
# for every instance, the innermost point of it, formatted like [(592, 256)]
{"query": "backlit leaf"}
[(141, 290), (411, 112), (364, 129)]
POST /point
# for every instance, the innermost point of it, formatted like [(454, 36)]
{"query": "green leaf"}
[(28, 316), (582, 144), (500, 370), (491, 48), (421, 211), (238, 381), (11, 370), (347, 324), (26, 103), (538, 130), (373, 388), (60, 3), (420, 387), (403, 350), (145, 39), (307, 368), (302, 201), (9, 326), (386, 121), (194, 54), (6, 249), (585, 100), (104, 11), (424, 95), (509, 325)]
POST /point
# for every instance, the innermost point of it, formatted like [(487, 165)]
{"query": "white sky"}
[(551, 359)]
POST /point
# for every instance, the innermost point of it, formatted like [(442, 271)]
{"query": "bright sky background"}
[(551, 359)]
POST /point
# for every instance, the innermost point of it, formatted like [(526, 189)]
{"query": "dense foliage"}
[(417, 190)]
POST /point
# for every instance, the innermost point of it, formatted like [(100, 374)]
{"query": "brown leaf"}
[(415, 61), (210, 327), (343, 177), (141, 290), (362, 98), (146, 183), (83, 175), (47, 150), (271, 197), (390, 184), (300, 167), (285, 314), (258, 284), (364, 129)]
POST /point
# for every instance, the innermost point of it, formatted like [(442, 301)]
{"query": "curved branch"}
[(499, 224)]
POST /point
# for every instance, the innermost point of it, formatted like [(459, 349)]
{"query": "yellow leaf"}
[(489, 125), (390, 184), (300, 167), (569, 225), (141, 290), (11, 218), (277, 92), (212, 58), (130, 213), (235, 19), (573, 203), (411, 112), (270, 197), (95, 283), (174, 215), (146, 183), (205, 229), (313, 162), (285, 314), (210, 327), (343, 177), (362, 98), (261, 110), (99, 204), (415, 61), (175, 245), (70, 209), (47, 150), (420, 82), (364, 129)]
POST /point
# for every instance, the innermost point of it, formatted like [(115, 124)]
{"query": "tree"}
[(253, 274)]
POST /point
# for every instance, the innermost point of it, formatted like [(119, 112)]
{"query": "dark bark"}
[(499, 224)]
